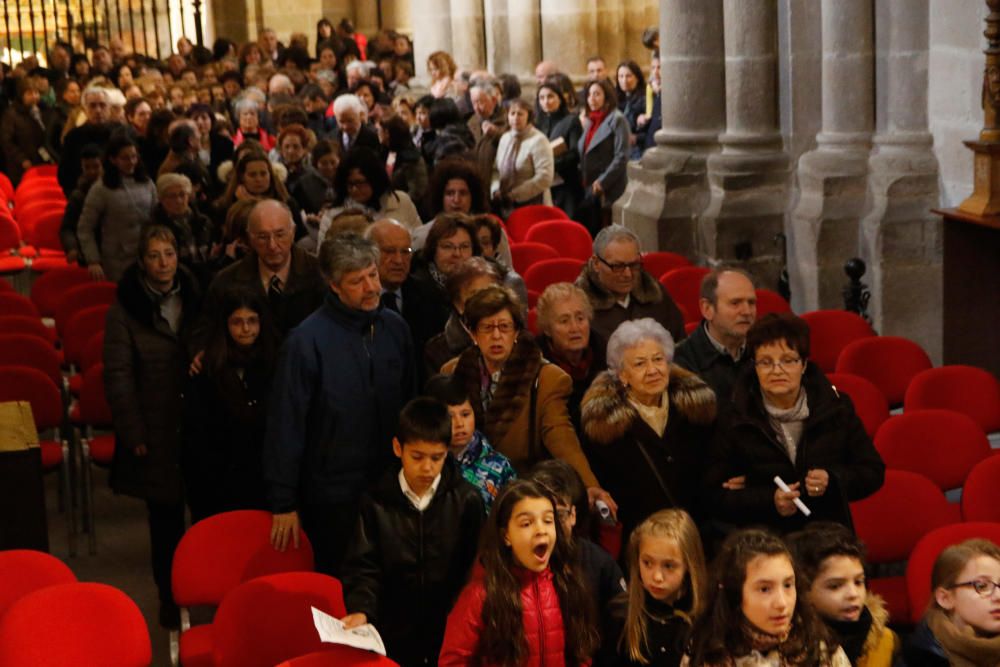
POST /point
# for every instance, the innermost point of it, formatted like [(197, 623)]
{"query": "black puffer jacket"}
[(833, 439), (406, 567)]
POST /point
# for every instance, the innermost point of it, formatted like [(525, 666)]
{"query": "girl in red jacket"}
[(529, 606)]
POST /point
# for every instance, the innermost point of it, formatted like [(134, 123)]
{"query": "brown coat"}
[(506, 422)]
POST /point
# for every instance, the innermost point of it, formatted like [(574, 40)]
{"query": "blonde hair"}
[(558, 293), (444, 62), (676, 525), (952, 561)]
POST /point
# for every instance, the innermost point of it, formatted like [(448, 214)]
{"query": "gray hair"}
[(559, 293), (245, 103), (357, 65), (385, 223), (345, 253), (487, 85), (172, 180), (95, 90), (280, 82), (632, 332), (614, 233), (348, 102)]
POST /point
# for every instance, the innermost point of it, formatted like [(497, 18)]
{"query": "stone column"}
[(668, 189), (366, 17), (468, 33), (569, 33), (749, 178), (900, 238), (431, 32), (611, 34), (513, 36), (823, 232)]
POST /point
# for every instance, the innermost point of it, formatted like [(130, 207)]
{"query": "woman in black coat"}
[(646, 423), (22, 132), (787, 420), (215, 147), (225, 409), (145, 366), (604, 151), (631, 88), (564, 130)]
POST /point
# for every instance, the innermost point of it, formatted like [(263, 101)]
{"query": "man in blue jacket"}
[(342, 377)]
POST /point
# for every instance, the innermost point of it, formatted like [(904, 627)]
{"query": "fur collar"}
[(513, 390), (607, 415), (880, 620), (646, 291)]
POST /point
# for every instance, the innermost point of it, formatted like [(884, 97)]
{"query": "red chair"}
[(44, 238), (16, 324), (769, 301), (47, 171), (525, 254), (890, 362), (23, 571), (5, 286), (30, 350), (12, 303), (91, 354), (533, 298), (89, 413), (570, 239), (336, 655), (981, 492), (21, 383), (48, 289), (80, 298), (6, 187), (659, 262), (215, 556), (684, 287), (548, 271), (888, 525), (942, 445), (690, 326), (966, 389), (533, 321), (30, 192), (869, 402), (29, 211), (10, 243), (82, 327), (830, 331), (918, 568), (521, 220), (75, 624), (267, 620)]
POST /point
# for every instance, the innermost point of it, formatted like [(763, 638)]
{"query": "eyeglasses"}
[(983, 587), (278, 236), (396, 252), (768, 365), (619, 267), (451, 247), (487, 328)]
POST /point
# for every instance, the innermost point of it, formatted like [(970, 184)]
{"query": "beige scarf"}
[(963, 647)]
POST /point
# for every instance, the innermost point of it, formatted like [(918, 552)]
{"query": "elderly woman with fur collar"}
[(520, 398), (647, 424)]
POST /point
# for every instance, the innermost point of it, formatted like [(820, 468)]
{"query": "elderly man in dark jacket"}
[(97, 130), (342, 377), (619, 289)]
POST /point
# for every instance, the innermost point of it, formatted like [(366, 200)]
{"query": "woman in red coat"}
[(525, 554)]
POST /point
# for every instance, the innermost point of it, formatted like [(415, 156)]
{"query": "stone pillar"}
[(900, 238), (749, 177), (569, 33), (668, 189), (468, 33), (639, 15), (366, 17), (431, 32), (823, 232), (612, 38), (513, 36)]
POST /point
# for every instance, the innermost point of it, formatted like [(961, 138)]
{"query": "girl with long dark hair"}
[(530, 606)]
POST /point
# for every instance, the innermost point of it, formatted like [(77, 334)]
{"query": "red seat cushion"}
[(102, 449), (52, 454), (196, 647)]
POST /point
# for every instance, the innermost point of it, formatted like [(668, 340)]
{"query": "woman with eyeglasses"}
[(786, 420), (519, 399), (962, 622)]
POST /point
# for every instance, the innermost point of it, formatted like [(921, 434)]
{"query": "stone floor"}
[(122, 558)]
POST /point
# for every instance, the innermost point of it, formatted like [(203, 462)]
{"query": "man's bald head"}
[(393, 241), (544, 70), (272, 233)]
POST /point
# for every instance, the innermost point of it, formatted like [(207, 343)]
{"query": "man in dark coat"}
[(487, 124), (342, 377), (352, 127), (716, 349), (97, 130), (619, 289), (287, 276)]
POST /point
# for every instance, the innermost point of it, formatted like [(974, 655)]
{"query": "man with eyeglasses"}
[(619, 289), (716, 349), (287, 275)]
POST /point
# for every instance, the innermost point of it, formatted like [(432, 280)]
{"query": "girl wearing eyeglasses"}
[(962, 624), (786, 420)]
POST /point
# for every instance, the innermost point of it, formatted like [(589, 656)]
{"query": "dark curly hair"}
[(371, 166), (777, 327), (455, 168)]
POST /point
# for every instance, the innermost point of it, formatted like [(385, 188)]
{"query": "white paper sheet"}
[(331, 631)]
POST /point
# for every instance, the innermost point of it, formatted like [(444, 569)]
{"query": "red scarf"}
[(596, 118)]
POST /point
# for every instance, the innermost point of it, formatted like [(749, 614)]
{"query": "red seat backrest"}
[(93, 402), (80, 329), (830, 331), (81, 297), (10, 235), (29, 350), (981, 492), (75, 624), (684, 287), (769, 301), (93, 351), (21, 383), (889, 362), (524, 254), (942, 445), (523, 218), (12, 303), (570, 239), (918, 568), (220, 552), (6, 187), (869, 402), (49, 288), (542, 274), (23, 571), (886, 521), (966, 389), (659, 262), (45, 232), (267, 620), (27, 325)]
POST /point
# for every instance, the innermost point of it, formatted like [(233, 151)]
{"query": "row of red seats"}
[(30, 217)]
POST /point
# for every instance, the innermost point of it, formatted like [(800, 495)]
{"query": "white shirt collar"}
[(419, 502)]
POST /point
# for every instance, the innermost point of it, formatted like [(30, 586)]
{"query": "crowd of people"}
[(317, 316)]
